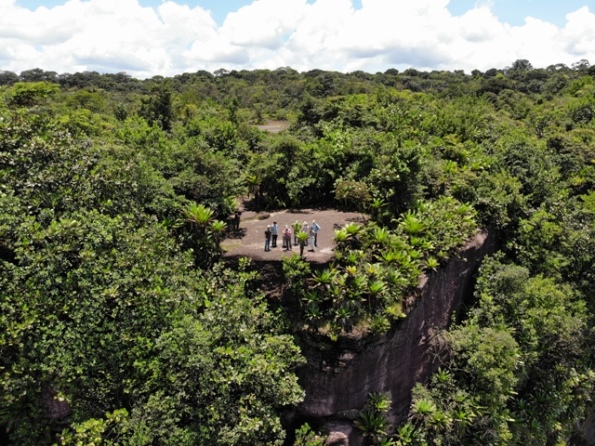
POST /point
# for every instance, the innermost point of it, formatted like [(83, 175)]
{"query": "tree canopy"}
[(121, 322)]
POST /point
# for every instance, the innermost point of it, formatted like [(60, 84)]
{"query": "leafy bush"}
[(374, 268)]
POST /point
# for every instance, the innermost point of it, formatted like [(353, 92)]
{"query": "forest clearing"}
[(249, 241)]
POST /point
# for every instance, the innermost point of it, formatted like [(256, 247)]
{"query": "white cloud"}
[(121, 35), (265, 23), (578, 35)]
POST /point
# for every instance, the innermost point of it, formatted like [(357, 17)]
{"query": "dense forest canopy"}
[(121, 323)]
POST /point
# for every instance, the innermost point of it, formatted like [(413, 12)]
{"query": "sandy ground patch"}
[(249, 240)]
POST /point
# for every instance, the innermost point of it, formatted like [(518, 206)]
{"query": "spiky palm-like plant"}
[(341, 236), (343, 316), (432, 263), (411, 223), (373, 269), (358, 284), (379, 401), (302, 240), (414, 254), (352, 229), (396, 279), (376, 287), (377, 208), (312, 297), (336, 293), (313, 314), (391, 256), (253, 181), (201, 235), (198, 214), (353, 257), (218, 227), (351, 270), (324, 278), (372, 424), (380, 236), (423, 408)]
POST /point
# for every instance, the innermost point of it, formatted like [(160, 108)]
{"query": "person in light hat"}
[(287, 238)]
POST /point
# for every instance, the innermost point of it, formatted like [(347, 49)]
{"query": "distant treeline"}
[(521, 75)]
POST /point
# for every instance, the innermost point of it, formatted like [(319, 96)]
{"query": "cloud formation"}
[(122, 35)]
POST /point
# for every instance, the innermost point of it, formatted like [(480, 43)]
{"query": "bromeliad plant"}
[(447, 224), (203, 233), (374, 267), (372, 420)]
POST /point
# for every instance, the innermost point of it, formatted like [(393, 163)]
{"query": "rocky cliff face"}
[(338, 378)]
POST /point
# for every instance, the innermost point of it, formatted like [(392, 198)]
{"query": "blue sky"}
[(515, 11), (151, 37), (509, 11), (219, 8)]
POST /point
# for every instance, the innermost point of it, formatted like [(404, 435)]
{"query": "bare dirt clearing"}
[(249, 240), (274, 126)]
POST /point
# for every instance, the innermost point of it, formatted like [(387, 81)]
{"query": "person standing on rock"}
[(315, 228), (303, 240), (296, 229), (311, 235), (236, 220), (274, 234), (267, 238), (287, 238)]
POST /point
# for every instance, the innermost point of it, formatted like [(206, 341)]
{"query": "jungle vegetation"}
[(121, 325)]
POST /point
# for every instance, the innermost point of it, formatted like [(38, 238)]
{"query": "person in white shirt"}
[(315, 228)]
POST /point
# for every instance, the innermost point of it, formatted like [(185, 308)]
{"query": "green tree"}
[(520, 366), (106, 315), (28, 94), (158, 107)]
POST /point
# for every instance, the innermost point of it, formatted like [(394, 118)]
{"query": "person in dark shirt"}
[(236, 220), (274, 234), (267, 238)]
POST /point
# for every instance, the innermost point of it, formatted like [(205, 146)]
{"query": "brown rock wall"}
[(338, 378)]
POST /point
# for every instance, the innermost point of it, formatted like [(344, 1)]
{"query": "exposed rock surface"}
[(337, 439), (338, 378), (586, 429), (249, 240)]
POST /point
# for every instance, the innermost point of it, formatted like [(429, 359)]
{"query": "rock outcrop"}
[(338, 377)]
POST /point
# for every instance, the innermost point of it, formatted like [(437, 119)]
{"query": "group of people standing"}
[(290, 232)]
